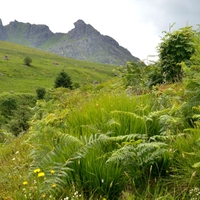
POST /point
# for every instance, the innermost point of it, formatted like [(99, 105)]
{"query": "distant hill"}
[(17, 77), (82, 43)]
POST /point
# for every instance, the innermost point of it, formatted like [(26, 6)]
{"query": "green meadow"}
[(15, 76)]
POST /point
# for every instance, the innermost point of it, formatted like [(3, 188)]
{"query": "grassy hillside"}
[(17, 77), (112, 141)]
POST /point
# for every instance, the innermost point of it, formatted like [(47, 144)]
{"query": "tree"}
[(27, 61), (176, 47), (63, 80)]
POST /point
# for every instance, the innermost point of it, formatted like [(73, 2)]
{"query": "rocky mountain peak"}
[(79, 23), (82, 30), (83, 42)]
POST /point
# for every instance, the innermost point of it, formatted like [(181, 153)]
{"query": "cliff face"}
[(83, 42), (27, 34), (2, 31), (86, 43)]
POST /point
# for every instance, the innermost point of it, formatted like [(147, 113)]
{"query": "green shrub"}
[(27, 61), (40, 93), (176, 47)]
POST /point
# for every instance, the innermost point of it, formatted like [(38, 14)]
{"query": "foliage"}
[(176, 47), (63, 80), (155, 76), (15, 112), (27, 61), (101, 142), (40, 93), (7, 105), (135, 76), (83, 151)]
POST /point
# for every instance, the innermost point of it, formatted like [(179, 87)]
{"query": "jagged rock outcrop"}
[(2, 31), (83, 42), (27, 34), (86, 43)]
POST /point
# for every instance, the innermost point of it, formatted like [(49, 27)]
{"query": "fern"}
[(137, 157)]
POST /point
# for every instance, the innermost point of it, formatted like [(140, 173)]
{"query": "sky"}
[(137, 25)]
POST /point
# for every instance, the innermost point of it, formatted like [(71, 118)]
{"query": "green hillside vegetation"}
[(17, 77), (135, 136)]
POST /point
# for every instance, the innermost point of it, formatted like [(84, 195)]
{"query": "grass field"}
[(44, 69)]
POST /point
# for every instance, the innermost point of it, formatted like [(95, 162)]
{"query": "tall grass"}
[(117, 114)]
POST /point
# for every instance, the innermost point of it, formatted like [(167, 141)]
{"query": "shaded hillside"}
[(83, 42)]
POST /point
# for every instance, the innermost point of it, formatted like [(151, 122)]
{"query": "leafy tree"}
[(27, 61), (176, 47), (63, 80)]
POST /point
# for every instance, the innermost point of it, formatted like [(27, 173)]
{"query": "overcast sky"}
[(135, 24)]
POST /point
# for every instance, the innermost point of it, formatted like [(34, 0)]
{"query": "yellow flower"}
[(52, 171), (37, 170), (25, 183), (44, 195), (53, 185), (41, 174)]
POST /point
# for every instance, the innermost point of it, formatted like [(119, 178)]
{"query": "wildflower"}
[(44, 195), (41, 174), (37, 170), (25, 183), (104, 198), (52, 171), (53, 185), (13, 159)]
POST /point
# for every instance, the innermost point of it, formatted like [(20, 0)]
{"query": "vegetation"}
[(40, 93), (63, 80), (15, 77), (27, 61), (176, 47), (120, 139)]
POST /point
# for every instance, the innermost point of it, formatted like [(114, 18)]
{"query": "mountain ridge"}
[(83, 42)]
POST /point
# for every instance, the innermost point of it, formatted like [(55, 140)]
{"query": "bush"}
[(40, 93), (176, 47), (27, 61)]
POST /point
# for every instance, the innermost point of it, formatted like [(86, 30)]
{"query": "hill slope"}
[(17, 77), (83, 42)]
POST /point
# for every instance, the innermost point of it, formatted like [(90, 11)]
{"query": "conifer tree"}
[(63, 80)]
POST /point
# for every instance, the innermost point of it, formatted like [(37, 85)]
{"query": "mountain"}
[(2, 31), (83, 42)]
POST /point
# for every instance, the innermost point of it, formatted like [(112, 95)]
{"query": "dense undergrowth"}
[(108, 141)]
